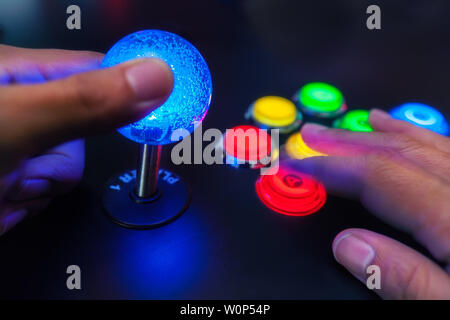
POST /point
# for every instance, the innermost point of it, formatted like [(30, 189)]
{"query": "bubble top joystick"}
[(191, 95), (150, 197)]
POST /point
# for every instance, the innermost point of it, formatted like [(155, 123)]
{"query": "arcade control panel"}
[(236, 234)]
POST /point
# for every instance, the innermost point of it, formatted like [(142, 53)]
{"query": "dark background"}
[(227, 245)]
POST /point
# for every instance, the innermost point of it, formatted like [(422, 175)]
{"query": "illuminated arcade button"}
[(354, 120), (296, 148), (248, 146), (320, 100), (423, 116), (291, 193), (274, 112), (190, 99)]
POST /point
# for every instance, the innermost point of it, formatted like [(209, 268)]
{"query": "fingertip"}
[(353, 252), (378, 117), (379, 114), (10, 220), (358, 232), (310, 131), (151, 79), (29, 189), (50, 174), (403, 273), (316, 137), (341, 235)]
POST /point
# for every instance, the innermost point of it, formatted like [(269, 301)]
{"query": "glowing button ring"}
[(291, 193), (150, 197), (423, 116), (320, 100)]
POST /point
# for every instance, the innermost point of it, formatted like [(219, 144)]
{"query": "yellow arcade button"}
[(274, 111), (297, 148)]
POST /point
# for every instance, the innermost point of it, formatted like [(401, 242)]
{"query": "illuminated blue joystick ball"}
[(191, 96), (423, 116)]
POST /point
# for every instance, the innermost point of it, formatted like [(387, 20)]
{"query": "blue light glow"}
[(191, 96), (421, 115), (166, 263)]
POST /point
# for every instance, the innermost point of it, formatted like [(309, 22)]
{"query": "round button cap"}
[(191, 95), (321, 99), (291, 193), (274, 111), (354, 120), (423, 116), (296, 148), (247, 143)]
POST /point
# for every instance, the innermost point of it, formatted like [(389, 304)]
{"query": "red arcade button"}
[(247, 143), (291, 193)]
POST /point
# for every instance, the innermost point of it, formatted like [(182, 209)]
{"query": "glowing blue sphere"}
[(191, 96), (423, 116)]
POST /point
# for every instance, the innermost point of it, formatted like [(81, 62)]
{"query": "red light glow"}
[(248, 143), (291, 193)]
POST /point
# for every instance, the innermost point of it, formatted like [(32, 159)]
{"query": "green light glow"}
[(354, 120), (320, 97)]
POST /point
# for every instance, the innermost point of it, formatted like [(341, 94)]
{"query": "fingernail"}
[(313, 128), (30, 189), (380, 114), (353, 253), (151, 79), (10, 220)]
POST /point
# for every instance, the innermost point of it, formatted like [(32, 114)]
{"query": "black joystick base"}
[(125, 208)]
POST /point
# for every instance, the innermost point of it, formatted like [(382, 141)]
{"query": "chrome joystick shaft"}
[(147, 171), (148, 197)]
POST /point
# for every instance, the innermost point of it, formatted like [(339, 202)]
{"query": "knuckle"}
[(405, 281), (83, 93), (436, 230), (414, 284), (381, 170), (396, 146), (379, 161), (67, 172), (100, 94), (403, 143)]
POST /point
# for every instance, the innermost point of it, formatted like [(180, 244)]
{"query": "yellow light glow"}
[(297, 149), (274, 111)]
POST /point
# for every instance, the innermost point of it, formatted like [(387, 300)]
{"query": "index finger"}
[(21, 65)]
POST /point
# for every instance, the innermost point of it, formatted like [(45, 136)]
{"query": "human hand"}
[(49, 99), (401, 173)]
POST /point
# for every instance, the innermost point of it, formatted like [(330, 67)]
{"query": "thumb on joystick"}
[(43, 115)]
